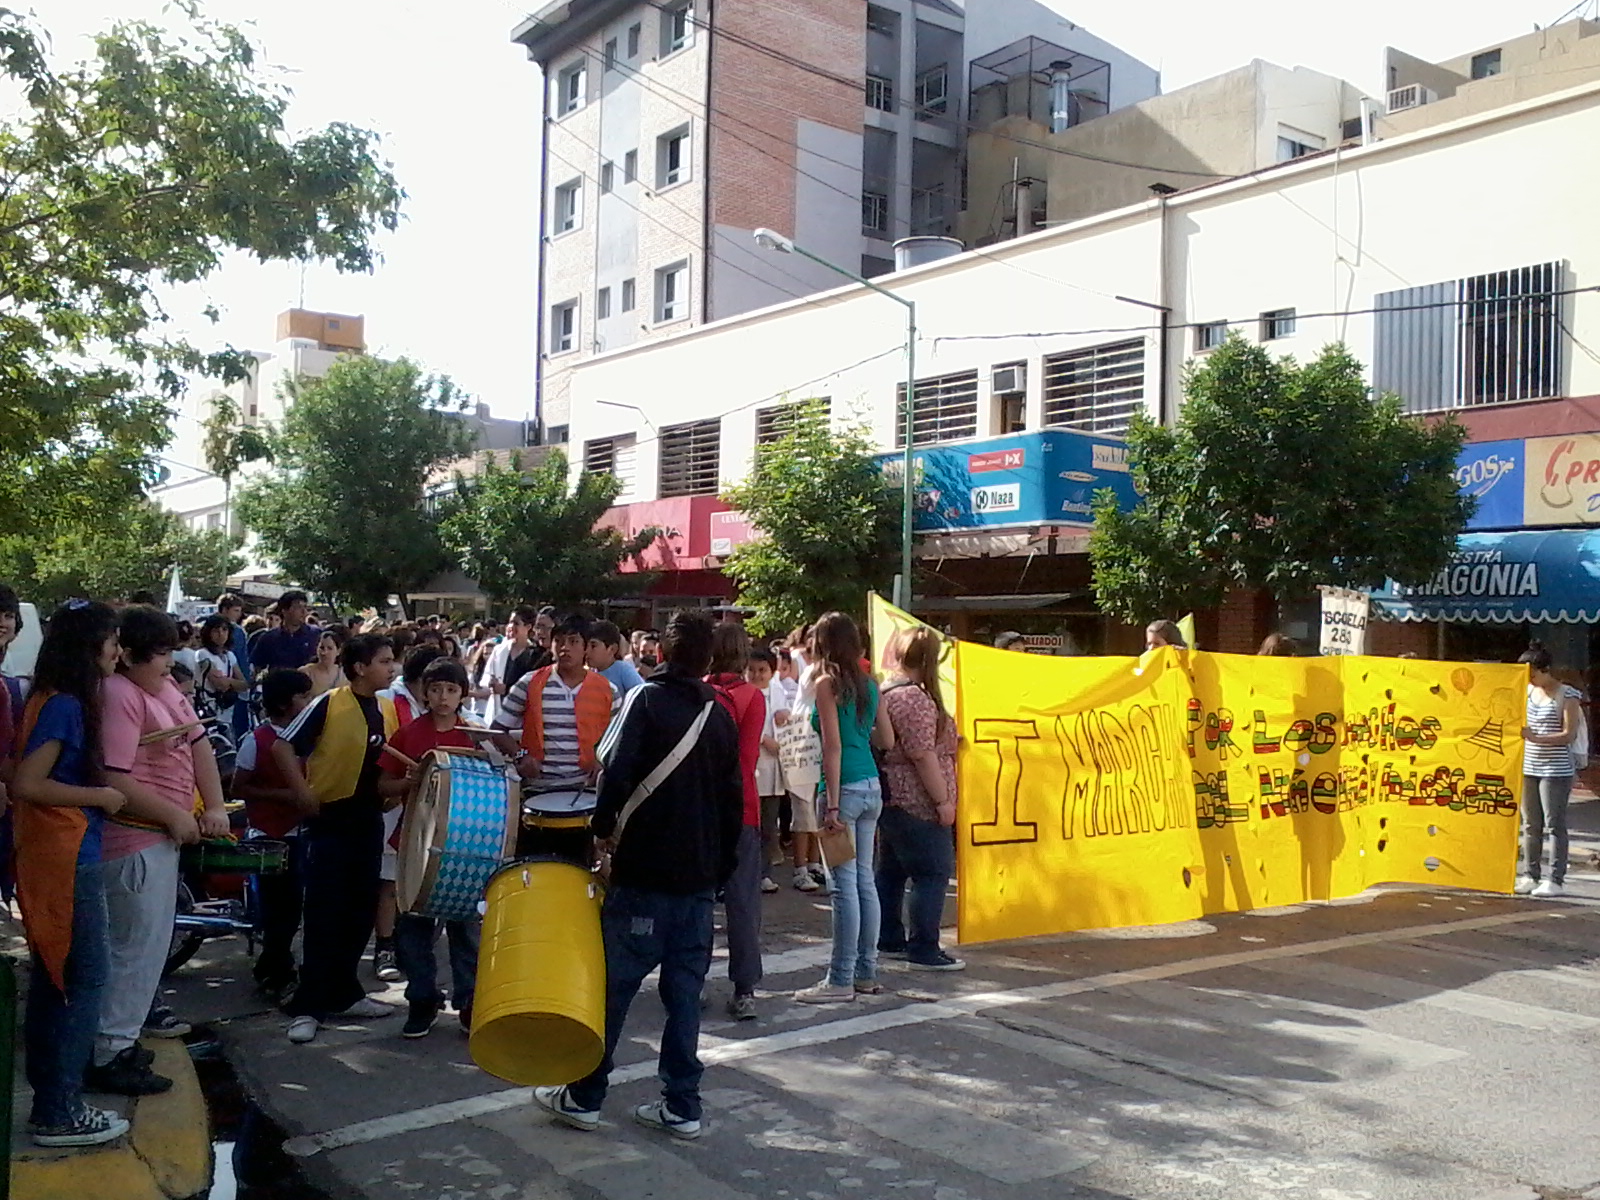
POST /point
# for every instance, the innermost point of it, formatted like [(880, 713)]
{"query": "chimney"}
[(1060, 96)]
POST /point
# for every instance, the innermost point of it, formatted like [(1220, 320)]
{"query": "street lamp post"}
[(776, 241)]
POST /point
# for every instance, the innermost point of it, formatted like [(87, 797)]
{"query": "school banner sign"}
[(1099, 792)]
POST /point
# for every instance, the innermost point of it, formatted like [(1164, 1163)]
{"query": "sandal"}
[(868, 987)]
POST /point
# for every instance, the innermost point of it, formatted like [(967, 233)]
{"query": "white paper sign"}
[(1344, 620)]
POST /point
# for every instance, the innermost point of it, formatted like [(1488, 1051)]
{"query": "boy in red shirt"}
[(444, 688)]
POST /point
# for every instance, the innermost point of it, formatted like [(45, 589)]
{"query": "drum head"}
[(422, 833), (559, 804)]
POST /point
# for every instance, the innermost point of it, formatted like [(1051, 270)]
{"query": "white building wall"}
[(1320, 235)]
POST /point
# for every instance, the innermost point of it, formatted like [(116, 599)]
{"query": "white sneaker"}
[(1525, 885), (556, 1102), (804, 881), (656, 1115), (368, 1009), (767, 886), (303, 1029), (1549, 887), (825, 993)]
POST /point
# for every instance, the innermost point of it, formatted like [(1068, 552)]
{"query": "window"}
[(1209, 336), (332, 324), (569, 206), (672, 157), (571, 88), (677, 26), (883, 21), (1279, 323), (946, 410), (1096, 389), (1011, 414), (933, 90), (629, 299), (880, 93), (1486, 64), (928, 210), (611, 54), (778, 419), (616, 457), (213, 520), (690, 456), (563, 327), (672, 293), (874, 212), (557, 435), (1293, 144), (630, 166), (633, 40), (602, 304), (608, 173)]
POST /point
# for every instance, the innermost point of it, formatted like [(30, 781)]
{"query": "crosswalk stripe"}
[(1533, 968), (922, 1120), (1467, 1003)]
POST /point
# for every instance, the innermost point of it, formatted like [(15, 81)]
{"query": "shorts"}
[(803, 818)]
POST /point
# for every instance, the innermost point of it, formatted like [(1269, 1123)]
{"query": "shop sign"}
[(729, 529), (1492, 473), (1562, 481)]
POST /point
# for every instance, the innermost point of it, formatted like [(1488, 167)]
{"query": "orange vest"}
[(593, 701)]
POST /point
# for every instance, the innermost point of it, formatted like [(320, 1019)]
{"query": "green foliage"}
[(344, 511), (1280, 477), (526, 536), (227, 444), (128, 548), (141, 169), (829, 525)]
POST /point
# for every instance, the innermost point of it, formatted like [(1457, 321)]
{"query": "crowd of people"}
[(139, 729)]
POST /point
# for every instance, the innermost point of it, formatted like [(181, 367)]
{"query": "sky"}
[(458, 108)]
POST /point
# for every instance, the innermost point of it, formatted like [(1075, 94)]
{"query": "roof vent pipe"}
[(1060, 96)]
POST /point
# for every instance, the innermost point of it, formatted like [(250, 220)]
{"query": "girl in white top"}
[(1548, 767), (216, 669), (769, 775)]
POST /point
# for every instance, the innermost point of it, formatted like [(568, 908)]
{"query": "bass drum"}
[(459, 830)]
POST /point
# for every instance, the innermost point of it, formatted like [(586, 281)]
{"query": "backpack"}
[(1580, 744)]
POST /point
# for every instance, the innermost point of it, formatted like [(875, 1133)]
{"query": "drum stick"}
[(162, 735), (408, 763)]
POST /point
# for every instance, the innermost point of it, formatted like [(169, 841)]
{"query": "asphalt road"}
[(1435, 1045)]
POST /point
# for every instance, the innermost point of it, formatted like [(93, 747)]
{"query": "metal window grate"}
[(690, 458), (773, 422), (600, 456), (1096, 389), (946, 410), (1507, 346), (616, 457)]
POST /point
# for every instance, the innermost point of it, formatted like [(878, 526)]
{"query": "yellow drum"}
[(539, 1013)]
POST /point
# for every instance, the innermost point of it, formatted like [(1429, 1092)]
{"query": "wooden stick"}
[(408, 763), (162, 735)]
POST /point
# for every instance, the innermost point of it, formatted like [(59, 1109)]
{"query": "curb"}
[(166, 1157)]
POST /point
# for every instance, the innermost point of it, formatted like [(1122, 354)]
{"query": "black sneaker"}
[(419, 1020), (124, 1075), (939, 962), (164, 1023), (464, 1015)]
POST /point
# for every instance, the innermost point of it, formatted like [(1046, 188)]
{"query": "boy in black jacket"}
[(669, 855)]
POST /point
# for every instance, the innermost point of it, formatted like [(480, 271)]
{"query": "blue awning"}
[(1540, 576)]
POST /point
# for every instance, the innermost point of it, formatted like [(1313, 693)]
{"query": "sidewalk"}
[(166, 1156)]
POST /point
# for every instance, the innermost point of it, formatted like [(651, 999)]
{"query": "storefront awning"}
[(1507, 577)]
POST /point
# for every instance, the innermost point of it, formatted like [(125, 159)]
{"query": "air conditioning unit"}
[(1009, 380), (1413, 95)]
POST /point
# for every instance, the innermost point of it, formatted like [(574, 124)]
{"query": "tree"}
[(527, 536), (141, 169), (1277, 477), (128, 549), (229, 445), (343, 512), (829, 523)]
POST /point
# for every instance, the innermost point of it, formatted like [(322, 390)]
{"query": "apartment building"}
[(1048, 341), (674, 130)]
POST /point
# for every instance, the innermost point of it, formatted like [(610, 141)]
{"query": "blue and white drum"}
[(459, 829)]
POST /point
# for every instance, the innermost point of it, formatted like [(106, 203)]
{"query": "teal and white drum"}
[(459, 828)]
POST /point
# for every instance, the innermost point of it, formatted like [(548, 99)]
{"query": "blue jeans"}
[(856, 914), (644, 930), (59, 1028), (923, 854), (413, 950)]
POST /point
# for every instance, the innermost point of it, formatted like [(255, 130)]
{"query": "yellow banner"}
[(1098, 792)]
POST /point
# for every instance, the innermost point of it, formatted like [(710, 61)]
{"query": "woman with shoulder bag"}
[(914, 836)]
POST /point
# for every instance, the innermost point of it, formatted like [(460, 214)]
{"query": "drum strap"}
[(664, 768)]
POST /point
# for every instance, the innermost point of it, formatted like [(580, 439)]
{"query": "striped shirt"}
[(560, 770), (1544, 716)]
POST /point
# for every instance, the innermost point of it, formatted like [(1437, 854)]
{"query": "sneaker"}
[(164, 1023), (804, 881), (124, 1075), (388, 971), (91, 1127), (656, 1115), (825, 993), (420, 1018), (367, 1009), (1549, 887), (767, 886), (820, 875), (464, 1015), (939, 962), (1525, 885), (303, 1029), (557, 1102), (742, 1007)]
